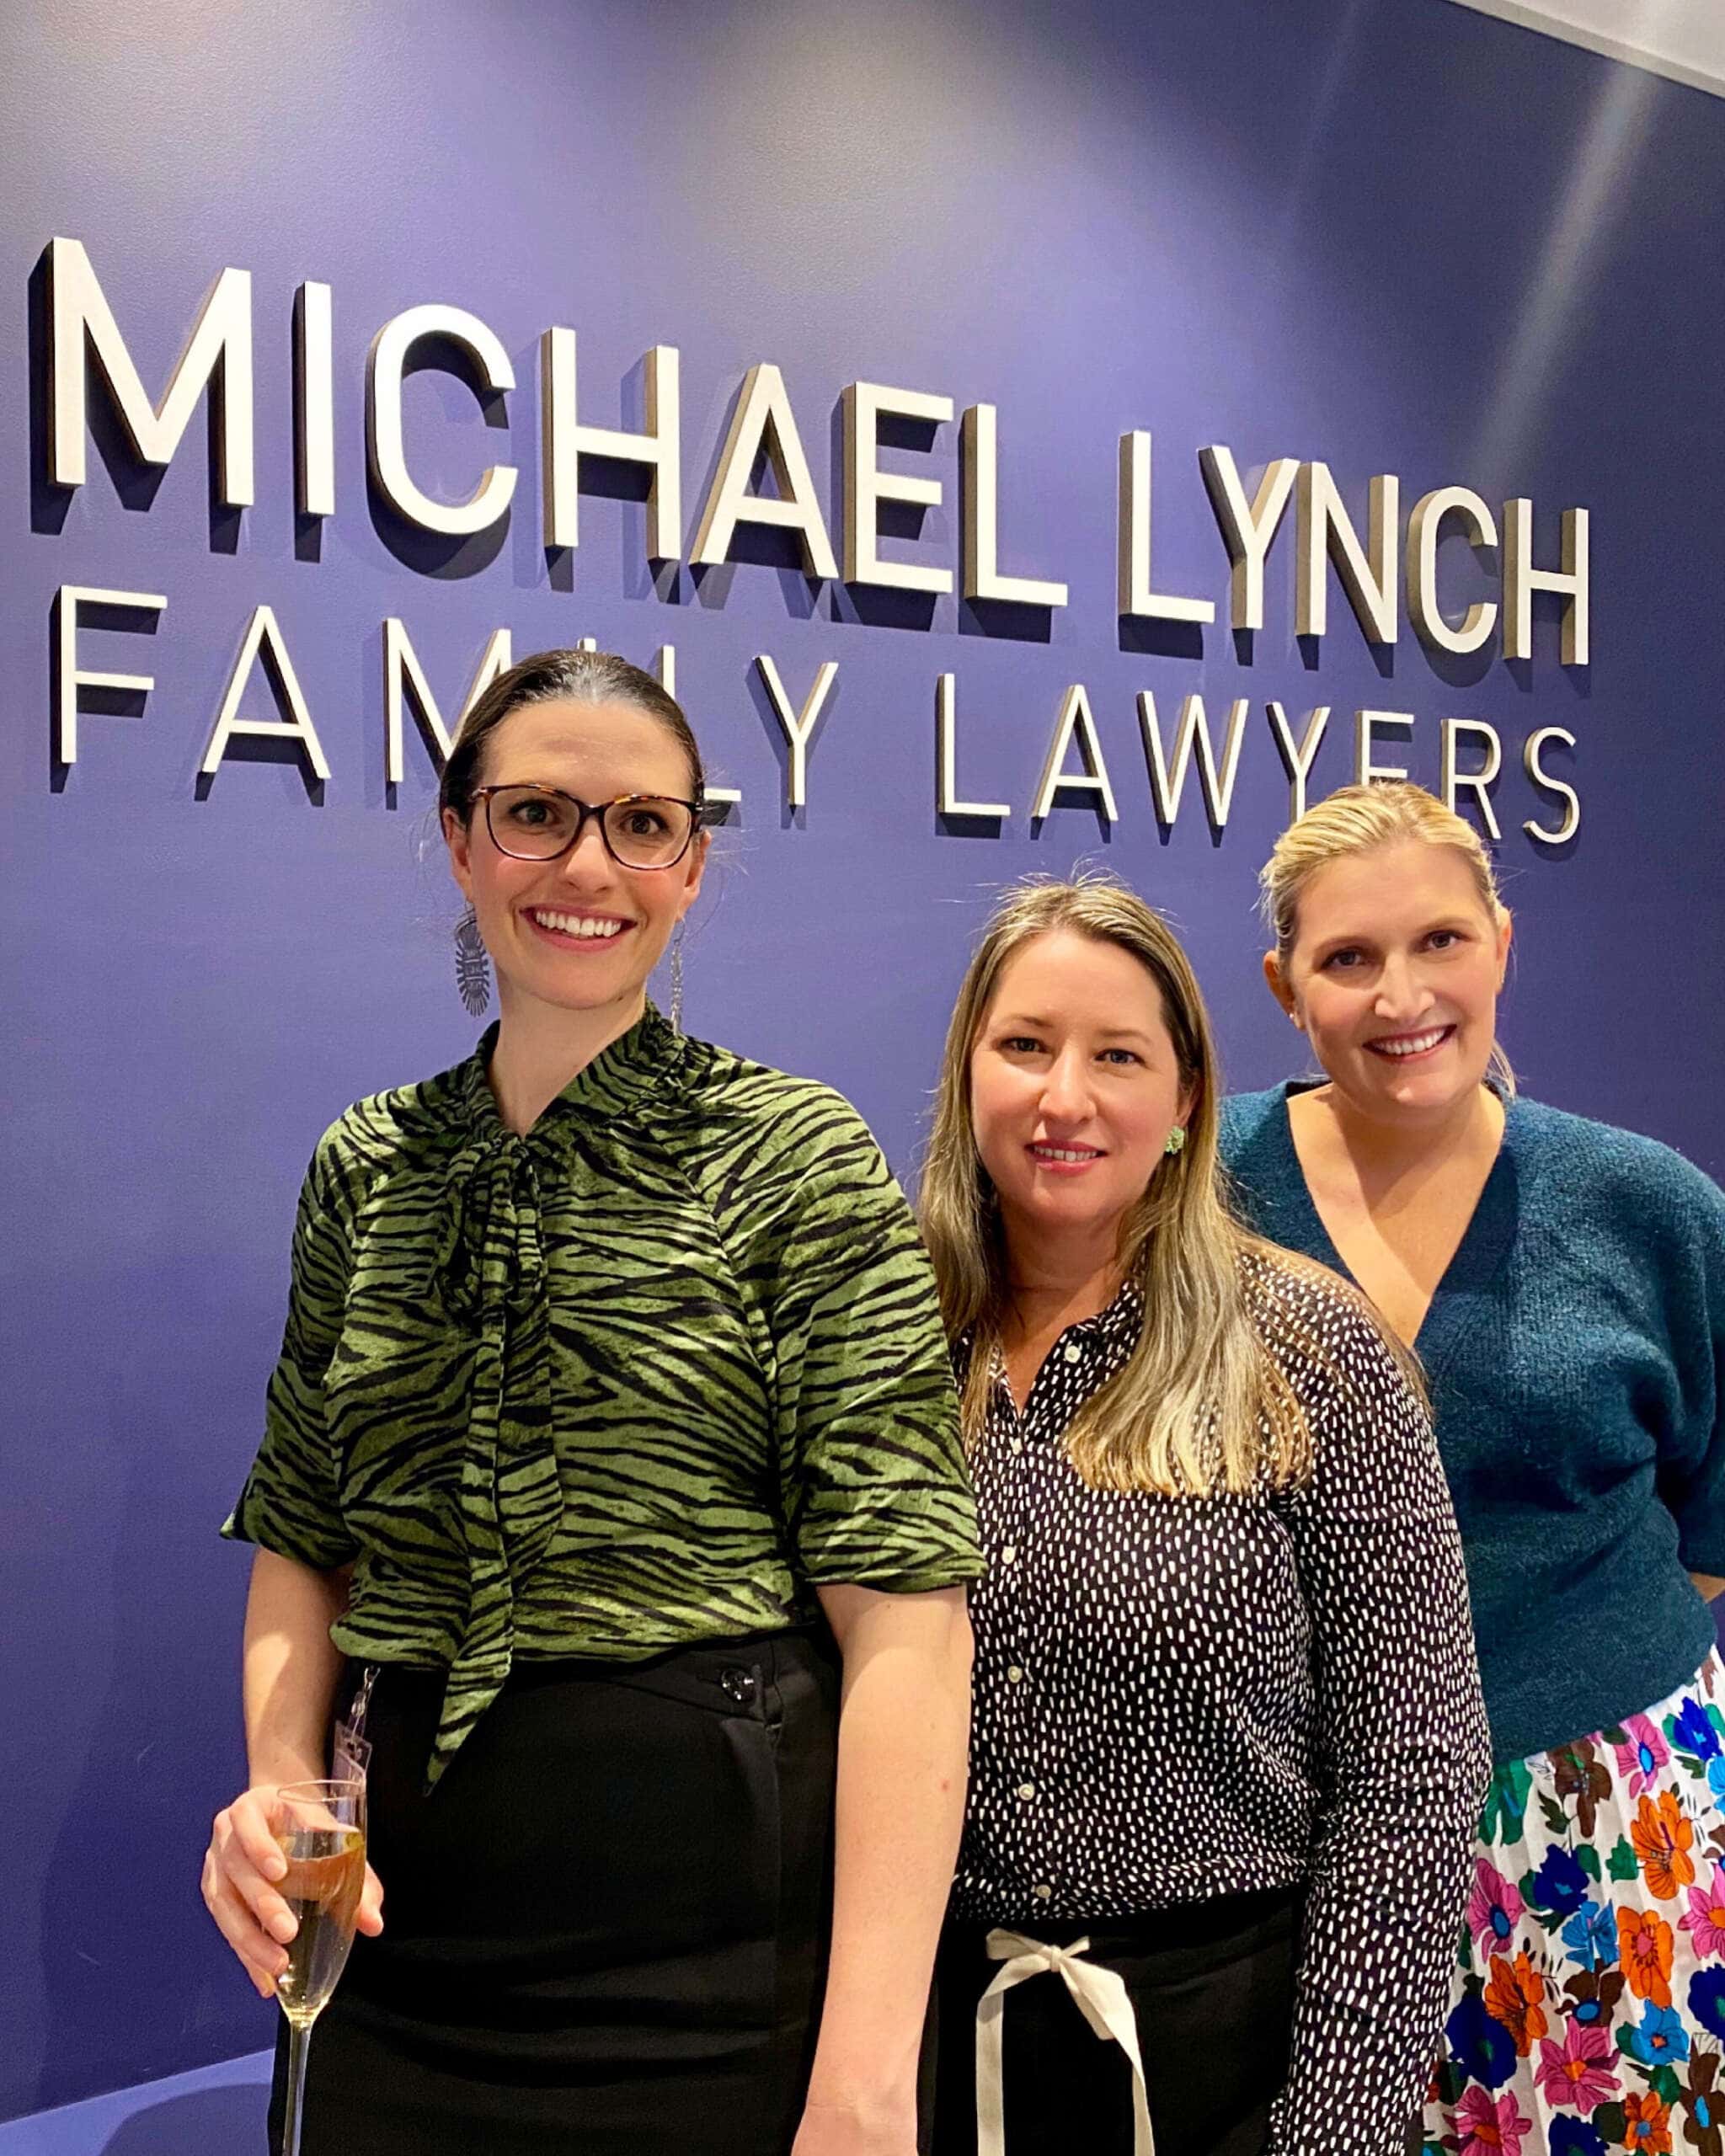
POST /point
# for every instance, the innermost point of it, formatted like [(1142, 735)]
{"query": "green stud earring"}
[(1176, 1140)]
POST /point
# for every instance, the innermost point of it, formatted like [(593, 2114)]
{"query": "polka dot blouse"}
[(1180, 1698)]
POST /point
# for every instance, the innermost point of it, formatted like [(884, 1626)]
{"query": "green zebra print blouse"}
[(644, 1377)]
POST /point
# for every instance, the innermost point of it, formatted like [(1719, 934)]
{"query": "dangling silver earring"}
[(676, 980), (472, 967)]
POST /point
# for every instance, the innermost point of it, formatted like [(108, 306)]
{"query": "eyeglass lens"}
[(642, 833)]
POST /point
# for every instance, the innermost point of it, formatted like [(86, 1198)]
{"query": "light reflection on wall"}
[(1599, 181)]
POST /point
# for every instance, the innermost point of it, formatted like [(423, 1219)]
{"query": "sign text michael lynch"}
[(87, 349)]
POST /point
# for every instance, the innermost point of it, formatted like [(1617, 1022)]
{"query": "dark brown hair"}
[(582, 677)]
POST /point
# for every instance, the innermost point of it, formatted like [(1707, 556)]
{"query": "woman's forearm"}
[(291, 1667), (291, 1670), (904, 1734)]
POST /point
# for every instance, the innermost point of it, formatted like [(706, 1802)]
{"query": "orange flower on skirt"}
[(1644, 1946), (1516, 1996), (1647, 2125), (1662, 1838)]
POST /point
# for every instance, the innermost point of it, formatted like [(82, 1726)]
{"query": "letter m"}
[(217, 356)]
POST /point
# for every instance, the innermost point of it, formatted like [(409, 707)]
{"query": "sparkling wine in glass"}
[(320, 1829)]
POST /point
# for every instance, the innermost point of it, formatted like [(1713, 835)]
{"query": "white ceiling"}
[(1682, 39)]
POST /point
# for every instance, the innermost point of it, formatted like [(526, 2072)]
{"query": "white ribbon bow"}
[(1101, 1997)]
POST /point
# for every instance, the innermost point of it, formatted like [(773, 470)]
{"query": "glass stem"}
[(299, 2037)]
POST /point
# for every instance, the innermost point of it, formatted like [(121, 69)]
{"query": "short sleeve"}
[(1692, 1441), (873, 1487), (291, 1502)]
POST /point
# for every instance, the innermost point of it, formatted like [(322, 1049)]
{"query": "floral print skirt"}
[(1588, 2009)]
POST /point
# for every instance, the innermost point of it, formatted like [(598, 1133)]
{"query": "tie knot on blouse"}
[(489, 1253)]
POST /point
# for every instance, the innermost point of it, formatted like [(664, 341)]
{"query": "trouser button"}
[(739, 1684)]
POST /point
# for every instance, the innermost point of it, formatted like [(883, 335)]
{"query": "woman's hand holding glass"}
[(243, 1869)]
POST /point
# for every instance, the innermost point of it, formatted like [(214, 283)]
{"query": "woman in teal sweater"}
[(1564, 1285)]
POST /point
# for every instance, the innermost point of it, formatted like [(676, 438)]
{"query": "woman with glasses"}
[(1228, 1745), (612, 1439)]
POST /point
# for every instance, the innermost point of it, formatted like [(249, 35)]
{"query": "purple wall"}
[(1373, 234)]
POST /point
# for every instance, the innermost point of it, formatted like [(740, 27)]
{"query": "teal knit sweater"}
[(1575, 1351)]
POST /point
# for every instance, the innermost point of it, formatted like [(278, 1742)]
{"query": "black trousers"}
[(605, 1927), (1212, 1987)]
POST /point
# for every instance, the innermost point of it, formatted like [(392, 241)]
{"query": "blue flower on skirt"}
[(1657, 2039), (1691, 1731), (1481, 2047), (1560, 1884), (1716, 1775), (1591, 1935), (1570, 2137), (1706, 2000)]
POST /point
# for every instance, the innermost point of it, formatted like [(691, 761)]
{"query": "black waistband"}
[(1186, 1924), (734, 1670)]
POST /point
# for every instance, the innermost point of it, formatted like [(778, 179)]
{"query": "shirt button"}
[(1073, 1351), (1026, 1789), (1009, 1556), (1043, 1893), (1017, 1444), (1014, 1675)]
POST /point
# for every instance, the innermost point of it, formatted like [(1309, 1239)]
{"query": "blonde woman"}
[(1227, 1747), (1564, 1283)]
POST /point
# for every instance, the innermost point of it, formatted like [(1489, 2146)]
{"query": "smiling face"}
[(581, 933), (1394, 974), (1075, 1085)]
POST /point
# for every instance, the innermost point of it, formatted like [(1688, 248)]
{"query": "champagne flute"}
[(320, 1829)]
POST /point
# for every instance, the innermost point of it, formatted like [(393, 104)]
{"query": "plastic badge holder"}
[(351, 1752)]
